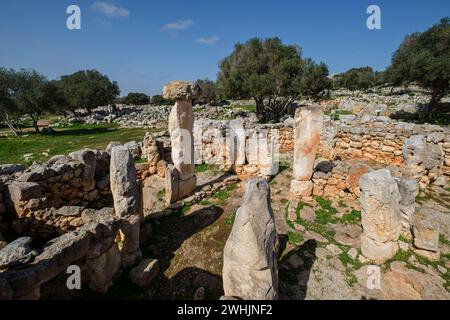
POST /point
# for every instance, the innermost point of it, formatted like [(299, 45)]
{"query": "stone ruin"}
[(307, 133), (51, 236), (250, 260), (180, 178), (51, 215), (248, 151), (127, 202)]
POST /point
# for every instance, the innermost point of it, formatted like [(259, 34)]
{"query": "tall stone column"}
[(381, 215), (249, 261), (127, 202), (181, 123), (307, 133)]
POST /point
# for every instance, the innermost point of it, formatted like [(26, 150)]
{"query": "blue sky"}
[(144, 43)]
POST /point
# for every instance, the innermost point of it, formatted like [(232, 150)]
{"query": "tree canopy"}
[(424, 58), (136, 98), (208, 90), (271, 73), (356, 79), (26, 92), (88, 89)]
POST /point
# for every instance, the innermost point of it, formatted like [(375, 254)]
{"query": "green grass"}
[(206, 202), (421, 199), (403, 256), (325, 215), (64, 141), (161, 194), (338, 113), (206, 167), (283, 166), (325, 204), (351, 279), (295, 238), (443, 239), (353, 217), (249, 107), (186, 207), (230, 219), (286, 215), (348, 261), (220, 197), (404, 239)]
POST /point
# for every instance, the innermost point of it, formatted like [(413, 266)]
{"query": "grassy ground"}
[(65, 140)]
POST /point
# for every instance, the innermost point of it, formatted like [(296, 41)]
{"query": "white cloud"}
[(110, 10), (178, 25), (208, 40)]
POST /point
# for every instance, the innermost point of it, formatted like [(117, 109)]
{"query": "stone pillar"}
[(151, 151), (426, 228), (127, 202), (268, 152), (250, 261), (422, 160), (409, 190), (307, 133), (236, 141), (381, 216), (181, 123)]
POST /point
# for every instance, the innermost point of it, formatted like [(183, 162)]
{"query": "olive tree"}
[(424, 59), (271, 73), (88, 89)]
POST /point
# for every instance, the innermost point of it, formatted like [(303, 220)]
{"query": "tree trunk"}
[(5, 116), (260, 110), (35, 119), (433, 106)]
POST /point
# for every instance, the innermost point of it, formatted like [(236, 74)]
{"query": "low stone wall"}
[(251, 151), (381, 139), (91, 247), (45, 199), (331, 179)]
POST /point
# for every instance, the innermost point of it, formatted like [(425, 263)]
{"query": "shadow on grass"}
[(168, 236), (218, 179), (82, 132)]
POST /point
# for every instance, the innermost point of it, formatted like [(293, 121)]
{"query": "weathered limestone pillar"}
[(421, 160), (409, 189), (151, 151), (307, 132), (236, 141), (268, 152), (381, 216), (426, 229), (249, 262), (181, 123), (127, 203)]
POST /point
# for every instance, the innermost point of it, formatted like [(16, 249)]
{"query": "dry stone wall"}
[(47, 199), (92, 248)]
